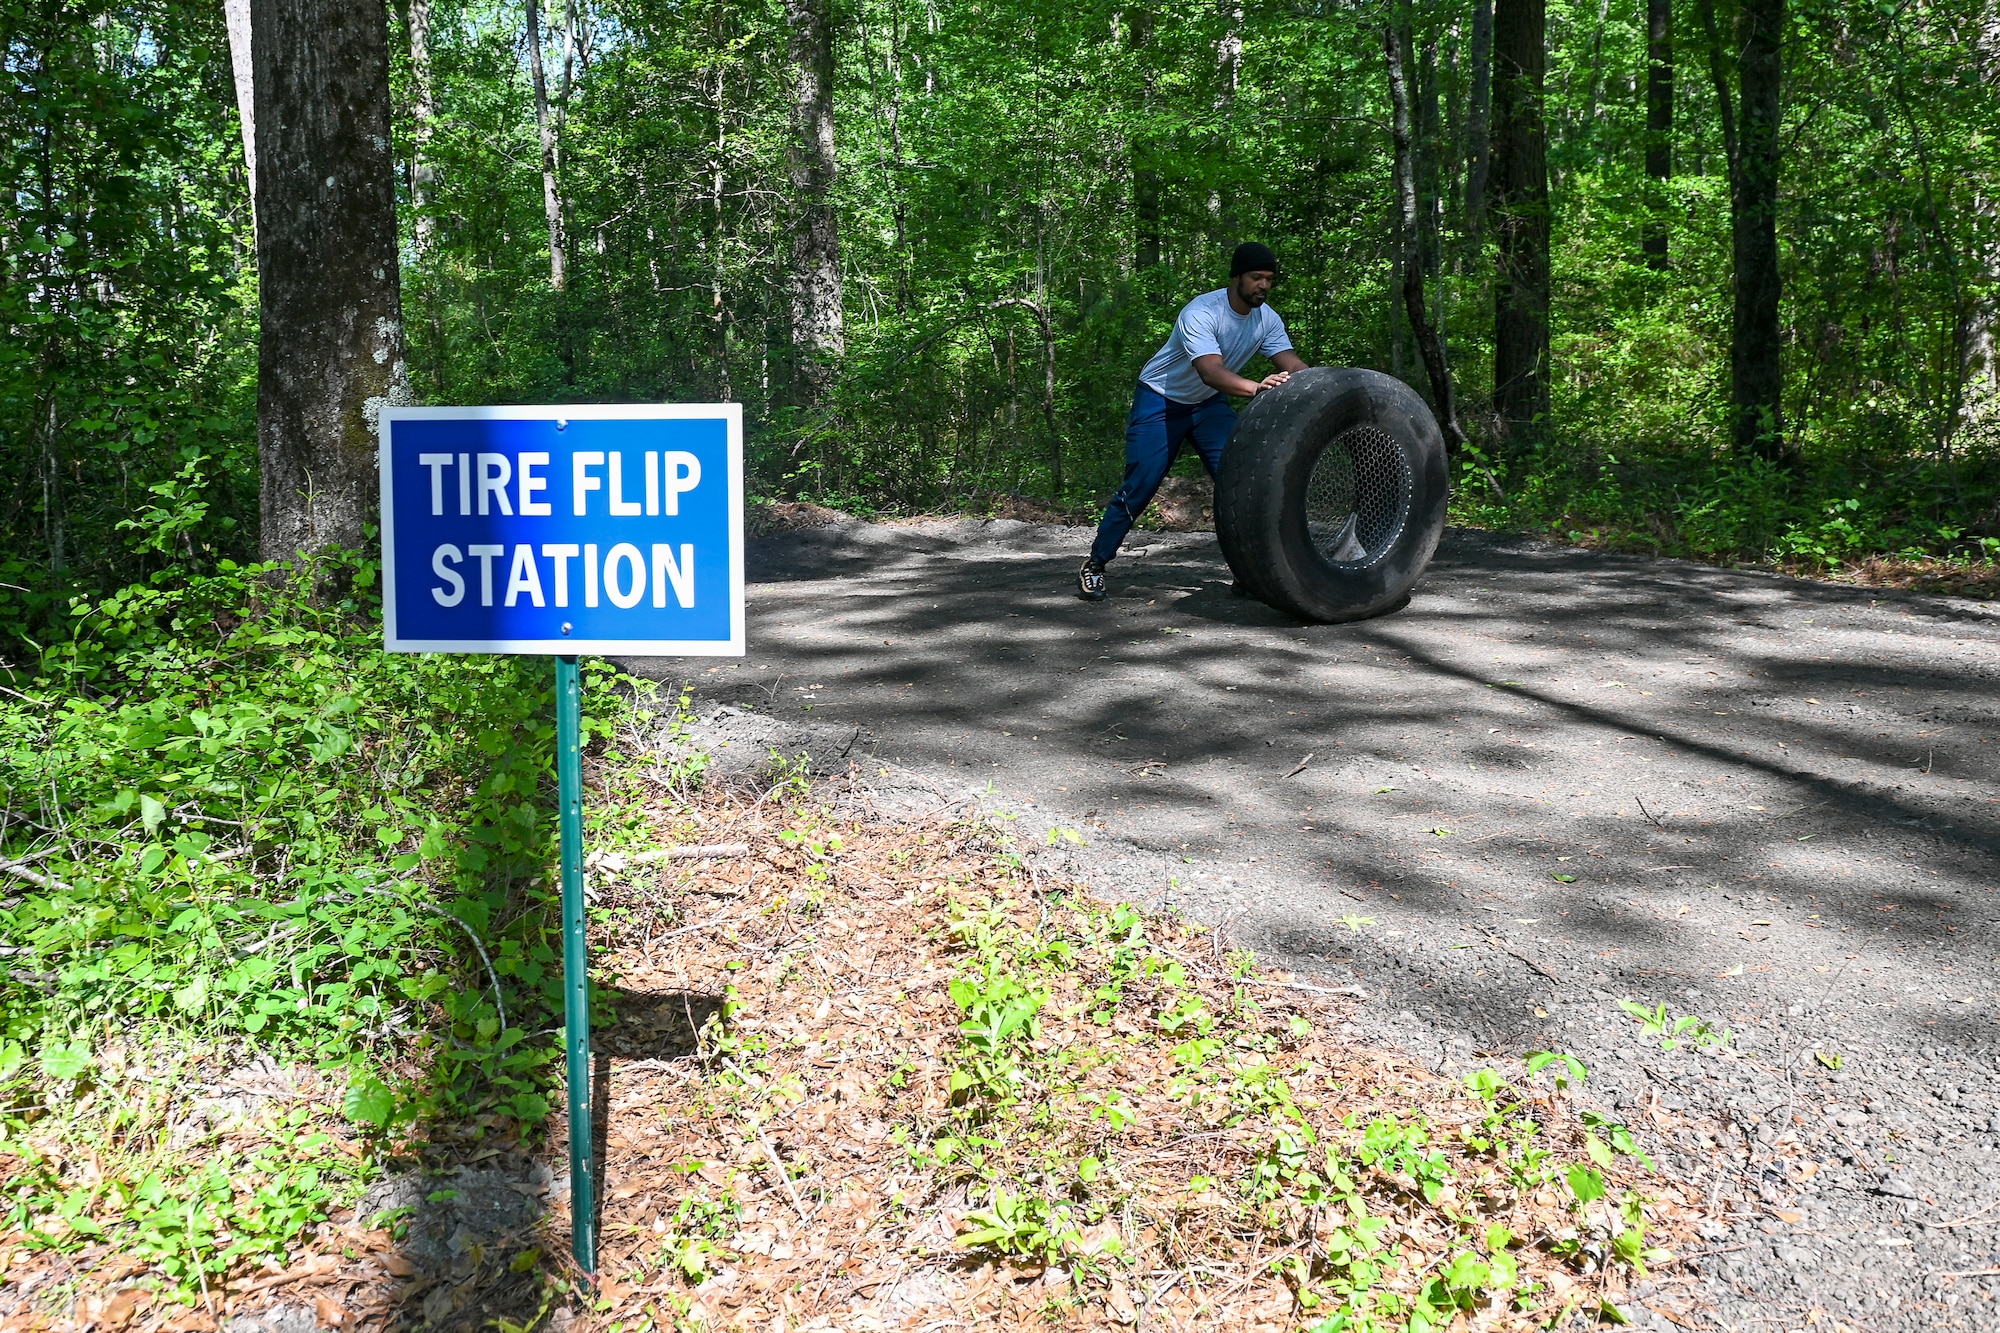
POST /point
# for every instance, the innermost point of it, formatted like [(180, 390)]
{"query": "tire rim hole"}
[(1358, 497)]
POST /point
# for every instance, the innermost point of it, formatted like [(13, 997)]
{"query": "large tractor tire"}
[(1332, 494)]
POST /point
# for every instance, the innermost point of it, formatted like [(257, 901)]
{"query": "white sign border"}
[(730, 413)]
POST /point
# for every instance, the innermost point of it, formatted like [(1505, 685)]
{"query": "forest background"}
[(1709, 277), (928, 245)]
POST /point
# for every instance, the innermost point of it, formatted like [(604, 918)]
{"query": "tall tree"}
[(1145, 176), (552, 204), (330, 349), (1519, 204), (818, 334), (1410, 234), (1659, 127), (1430, 157), (423, 114), (1750, 139), (1479, 120), (236, 19)]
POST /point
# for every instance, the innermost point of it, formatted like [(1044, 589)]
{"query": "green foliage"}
[(1048, 1183), (1017, 183), (1025, 197), (1834, 509), (1026, 1225), (257, 823), (196, 1212), (1603, 1136), (127, 369), (1405, 1148), (1672, 1030), (1586, 1183), (999, 1020), (1569, 1070), (252, 830), (695, 1238)]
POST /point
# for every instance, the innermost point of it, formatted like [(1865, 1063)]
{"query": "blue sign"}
[(602, 529)]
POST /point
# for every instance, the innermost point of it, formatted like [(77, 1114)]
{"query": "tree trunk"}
[(1479, 120), (53, 527), (1045, 326), (1451, 157), (1398, 259), (1429, 346), (1980, 369), (1596, 69), (817, 336), (1048, 331), (545, 123), (1146, 204), (1519, 203), (1756, 382), (1431, 153), (901, 210), (1429, 147), (330, 350), (236, 16), (423, 114), (1224, 216), (1145, 178), (717, 167), (1659, 127)]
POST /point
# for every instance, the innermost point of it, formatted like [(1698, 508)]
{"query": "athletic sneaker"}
[(1090, 581)]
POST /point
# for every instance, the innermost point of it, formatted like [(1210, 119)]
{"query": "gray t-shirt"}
[(1207, 326)]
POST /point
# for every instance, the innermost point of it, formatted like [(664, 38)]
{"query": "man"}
[(1181, 394)]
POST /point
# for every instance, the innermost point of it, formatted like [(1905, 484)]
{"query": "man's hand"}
[(1215, 377)]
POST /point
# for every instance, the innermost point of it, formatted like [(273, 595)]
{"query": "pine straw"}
[(834, 1057), (1978, 579)]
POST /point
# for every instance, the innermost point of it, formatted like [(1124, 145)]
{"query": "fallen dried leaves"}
[(884, 1075), (905, 1082)]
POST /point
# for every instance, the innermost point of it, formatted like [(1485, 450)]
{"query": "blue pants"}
[(1154, 435)]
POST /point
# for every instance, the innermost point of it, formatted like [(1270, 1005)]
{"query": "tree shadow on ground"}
[(470, 1238), (1821, 746)]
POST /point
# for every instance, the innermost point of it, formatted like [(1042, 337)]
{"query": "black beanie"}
[(1252, 257)]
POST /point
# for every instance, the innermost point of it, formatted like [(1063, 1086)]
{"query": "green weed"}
[(1671, 1030), (252, 830)]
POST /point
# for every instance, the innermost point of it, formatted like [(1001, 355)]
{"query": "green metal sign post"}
[(576, 971), (558, 530)]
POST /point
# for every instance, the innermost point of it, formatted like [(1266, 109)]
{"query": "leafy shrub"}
[(231, 813)]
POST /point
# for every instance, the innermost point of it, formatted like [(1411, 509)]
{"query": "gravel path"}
[(1558, 780)]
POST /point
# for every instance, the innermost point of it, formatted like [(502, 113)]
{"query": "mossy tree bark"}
[(330, 354), (818, 333)]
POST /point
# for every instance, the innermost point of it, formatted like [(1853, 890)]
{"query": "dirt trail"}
[(1557, 780)]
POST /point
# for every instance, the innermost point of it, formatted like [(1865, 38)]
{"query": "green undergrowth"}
[(1089, 1047), (1817, 517), (238, 831)]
